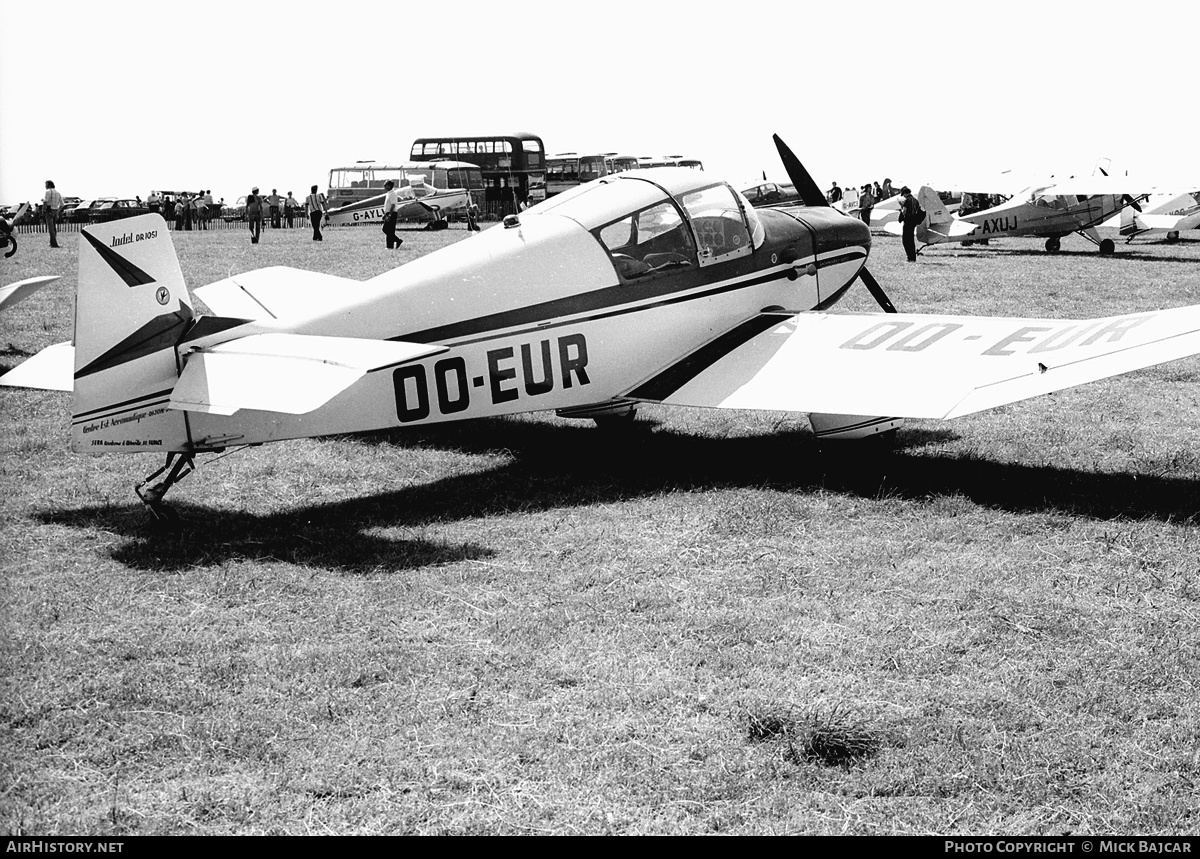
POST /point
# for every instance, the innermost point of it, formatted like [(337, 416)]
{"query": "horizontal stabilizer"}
[(288, 373), (51, 369), (277, 292), (17, 292), (930, 366), (954, 228)]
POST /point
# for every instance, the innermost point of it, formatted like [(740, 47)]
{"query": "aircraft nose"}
[(836, 231)]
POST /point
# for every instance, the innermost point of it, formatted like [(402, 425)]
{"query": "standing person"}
[(911, 214), (180, 206), (391, 213), (289, 209), (835, 194), (315, 204), (254, 215), (879, 198), (51, 203), (273, 203), (886, 192), (199, 210), (207, 203), (866, 202), (154, 202)]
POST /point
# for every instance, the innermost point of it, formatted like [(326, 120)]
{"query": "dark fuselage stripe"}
[(124, 405), (605, 303), (680, 373)]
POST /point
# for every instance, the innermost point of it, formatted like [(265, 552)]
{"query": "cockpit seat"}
[(628, 267), (661, 259)]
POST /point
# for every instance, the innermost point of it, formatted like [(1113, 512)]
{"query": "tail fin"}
[(131, 308), (935, 210)]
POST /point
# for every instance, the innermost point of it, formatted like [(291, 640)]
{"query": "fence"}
[(214, 224)]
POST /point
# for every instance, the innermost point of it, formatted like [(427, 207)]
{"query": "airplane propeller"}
[(812, 195), (1131, 201)]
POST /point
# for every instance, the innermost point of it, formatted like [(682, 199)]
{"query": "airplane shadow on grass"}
[(558, 466)]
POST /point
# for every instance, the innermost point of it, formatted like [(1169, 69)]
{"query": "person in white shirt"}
[(315, 203), (391, 213), (51, 203)]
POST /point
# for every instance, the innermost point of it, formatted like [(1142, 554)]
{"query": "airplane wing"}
[(52, 369), (289, 373), (15, 293), (1091, 186), (915, 365)]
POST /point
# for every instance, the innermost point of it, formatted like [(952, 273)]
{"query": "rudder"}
[(131, 309)]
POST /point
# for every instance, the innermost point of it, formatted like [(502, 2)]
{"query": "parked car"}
[(114, 210), (236, 212), (81, 214)]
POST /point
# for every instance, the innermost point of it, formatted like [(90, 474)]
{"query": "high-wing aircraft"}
[(940, 224), (649, 286), (414, 196), (1049, 211), (1163, 215)]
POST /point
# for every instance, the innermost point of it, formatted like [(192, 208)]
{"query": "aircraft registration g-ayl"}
[(649, 286), (1049, 211), (414, 197)]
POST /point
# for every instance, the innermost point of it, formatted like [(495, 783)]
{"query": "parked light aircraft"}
[(413, 197), (1163, 215), (649, 286), (939, 225), (1049, 211)]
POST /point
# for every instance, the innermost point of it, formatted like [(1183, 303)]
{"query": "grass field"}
[(704, 625)]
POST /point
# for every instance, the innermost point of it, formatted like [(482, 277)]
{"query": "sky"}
[(120, 97)]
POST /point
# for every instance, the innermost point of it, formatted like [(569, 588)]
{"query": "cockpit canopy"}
[(658, 220)]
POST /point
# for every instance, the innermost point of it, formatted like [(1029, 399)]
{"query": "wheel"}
[(1106, 247), (1052, 245), (616, 420), (1172, 237)]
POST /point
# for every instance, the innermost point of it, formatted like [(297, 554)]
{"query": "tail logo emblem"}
[(163, 295)]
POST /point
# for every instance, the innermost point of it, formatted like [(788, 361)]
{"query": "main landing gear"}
[(179, 466), (1107, 247), (1053, 244)]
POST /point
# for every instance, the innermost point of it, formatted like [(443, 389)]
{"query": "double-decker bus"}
[(669, 161), (513, 165), (364, 179), (568, 169)]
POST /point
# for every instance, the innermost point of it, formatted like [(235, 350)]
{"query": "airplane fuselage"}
[(1045, 217), (536, 317)]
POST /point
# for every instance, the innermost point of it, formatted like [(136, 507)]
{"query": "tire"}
[(1107, 247)]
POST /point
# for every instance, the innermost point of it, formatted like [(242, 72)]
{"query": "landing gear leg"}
[(179, 466)]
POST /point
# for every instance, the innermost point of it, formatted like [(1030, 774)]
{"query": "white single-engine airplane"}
[(1049, 211), (415, 196), (1164, 215), (649, 286)]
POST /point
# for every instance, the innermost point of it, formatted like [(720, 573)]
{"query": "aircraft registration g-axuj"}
[(1050, 211), (649, 286)]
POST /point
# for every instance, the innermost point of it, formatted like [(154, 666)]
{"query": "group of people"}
[(911, 213), (283, 210), (186, 210)]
